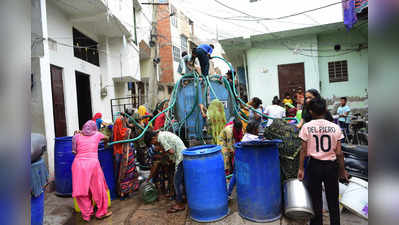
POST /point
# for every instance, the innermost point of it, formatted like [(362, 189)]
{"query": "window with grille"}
[(183, 43), (338, 71), (174, 17), (176, 53)]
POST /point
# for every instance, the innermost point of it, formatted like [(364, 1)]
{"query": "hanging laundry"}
[(360, 5), (350, 17)]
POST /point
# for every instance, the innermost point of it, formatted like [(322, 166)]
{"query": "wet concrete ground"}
[(59, 211)]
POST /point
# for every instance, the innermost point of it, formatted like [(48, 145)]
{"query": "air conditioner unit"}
[(104, 92)]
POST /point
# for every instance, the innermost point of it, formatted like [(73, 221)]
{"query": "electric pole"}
[(153, 82)]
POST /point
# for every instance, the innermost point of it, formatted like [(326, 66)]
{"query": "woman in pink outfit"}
[(88, 181)]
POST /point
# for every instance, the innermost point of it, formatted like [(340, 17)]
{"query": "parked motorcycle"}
[(356, 160)]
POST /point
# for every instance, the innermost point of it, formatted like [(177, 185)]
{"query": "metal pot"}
[(297, 202)]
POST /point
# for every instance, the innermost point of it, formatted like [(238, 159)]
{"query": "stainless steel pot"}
[(297, 202)]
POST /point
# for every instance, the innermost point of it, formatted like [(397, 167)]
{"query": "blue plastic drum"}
[(37, 209), (205, 182), (63, 158), (105, 156), (257, 171), (63, 166)]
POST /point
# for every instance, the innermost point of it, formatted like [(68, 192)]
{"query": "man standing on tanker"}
[(203, 53)]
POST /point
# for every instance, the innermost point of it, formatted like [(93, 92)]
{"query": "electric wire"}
[(281, 17)]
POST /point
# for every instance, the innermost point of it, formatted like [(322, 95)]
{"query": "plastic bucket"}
[(355, 197)]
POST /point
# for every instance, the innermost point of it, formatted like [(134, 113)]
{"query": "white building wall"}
[(123, 10), (146, 68), (218, 63), (357, 76), (356, 86), (106, 78), (57, 26), (144, 23), (124, 59), (264, 58), (41, 66), (61, 55), (176, 41), (37, 102)]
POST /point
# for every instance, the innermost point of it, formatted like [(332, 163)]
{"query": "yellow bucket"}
[(77, 209)]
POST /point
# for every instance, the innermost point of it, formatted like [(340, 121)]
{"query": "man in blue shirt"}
[(343, 112), (203, 53)]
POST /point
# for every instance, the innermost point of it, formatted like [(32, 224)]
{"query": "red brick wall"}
[(165, 41)]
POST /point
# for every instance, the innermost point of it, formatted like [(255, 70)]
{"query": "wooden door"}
[(57, 87), (290, 78)]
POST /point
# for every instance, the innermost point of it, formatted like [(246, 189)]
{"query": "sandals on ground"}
[(105, 216), (86, 221), (173, 209)]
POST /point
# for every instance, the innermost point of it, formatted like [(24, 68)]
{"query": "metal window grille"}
[(338, 71), (176, 53), (183, 43), (121, 104), (174, 17)]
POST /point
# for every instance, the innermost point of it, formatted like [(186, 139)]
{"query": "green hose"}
[(205, 97), (134, 121), (173, 102), (227, 85), (235, 105), (244, 103), (210, 87)]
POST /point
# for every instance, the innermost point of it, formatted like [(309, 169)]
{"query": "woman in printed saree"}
[(127, 176)]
